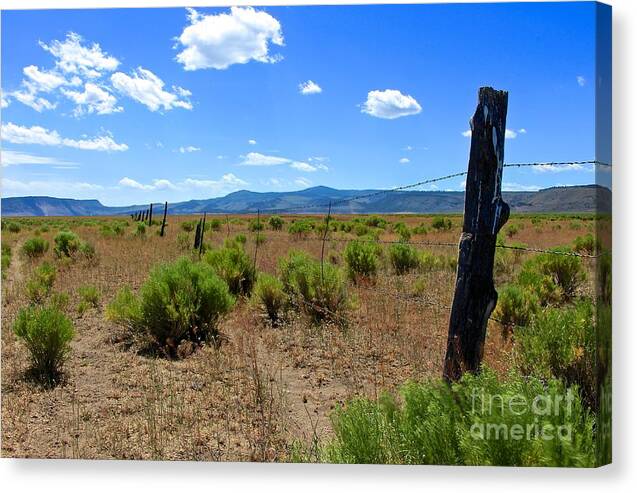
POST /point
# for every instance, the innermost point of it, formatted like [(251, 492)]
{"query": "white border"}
[(108, 476)]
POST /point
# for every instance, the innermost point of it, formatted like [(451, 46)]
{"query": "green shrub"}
[(516, 306), (512, 230), (402, 231), (255, 225), (67, 244), (125, 309), (441, 224), (213, 224), (560, 343), (232, 264), (47, 334), (565, 271), (276, 223), (421, 229), (478, 421), (6, 259), (269, 295), (188, 226), (240, 239), (11, 227), (87, 250), (59, 300), (375, 222), (140, 229), (587, 244), (403, 258), (362, 259), (39, 286), (180, 301), (89, 294), (35, 247), (321, 293), (300, 228)]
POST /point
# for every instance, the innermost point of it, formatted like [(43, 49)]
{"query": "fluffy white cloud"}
[(30, 98), (227, 180), (17, 134), (309, 87), (548, 168), (186, 149), (252, 142), (15, 158), (258, 159), (4, 100), (404, 160), (55, 188), (148, 89), (72, 56), (158, 184), (390, 104), (301, 166), (581, 81), (508, 133), (94, 99), (218, 41), (303, 182), (516, 187), (43, 80)]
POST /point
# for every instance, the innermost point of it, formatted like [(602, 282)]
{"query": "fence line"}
[(436, 244), (429, 181)]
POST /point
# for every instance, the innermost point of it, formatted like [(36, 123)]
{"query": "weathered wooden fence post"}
[(163, 223), (327, 227), (197, 235), (150, 215), (485, 213), (203, 230), (256, 240)]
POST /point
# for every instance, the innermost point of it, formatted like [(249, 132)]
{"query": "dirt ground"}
[(264, 393)]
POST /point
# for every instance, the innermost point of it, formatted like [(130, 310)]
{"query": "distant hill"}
[(587, 198)]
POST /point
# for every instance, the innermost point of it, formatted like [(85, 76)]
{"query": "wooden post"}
[(227, 227), (484, 214), (203, 230), (197, 235), (256, 241), (150, 215), (327, 226), (163, 223)]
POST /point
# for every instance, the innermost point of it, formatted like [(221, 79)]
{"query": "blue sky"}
[(135, 105)]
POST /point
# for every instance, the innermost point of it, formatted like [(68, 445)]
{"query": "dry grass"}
[(261, 391)]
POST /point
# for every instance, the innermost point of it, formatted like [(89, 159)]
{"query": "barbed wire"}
[(338, 202), (437, 244)]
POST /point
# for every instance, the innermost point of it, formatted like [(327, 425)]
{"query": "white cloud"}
[(45, 81), (94, 99), (258, 159), (516, 187), (303, 182), (581, 81), (409, 148), (186, 149), (227, 182), (54, 188), (146, 88), (252, 142), (218, 41), (75, 58), (4, 100), (309, 87), (158, 184), (17, 134), (548, 168), (390, 104), (29, 97), (15, 158), (508, 133), (404, 160)]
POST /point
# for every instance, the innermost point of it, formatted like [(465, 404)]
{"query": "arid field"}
[(264, 388)]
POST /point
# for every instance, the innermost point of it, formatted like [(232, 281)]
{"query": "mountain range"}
[(585, 198)]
